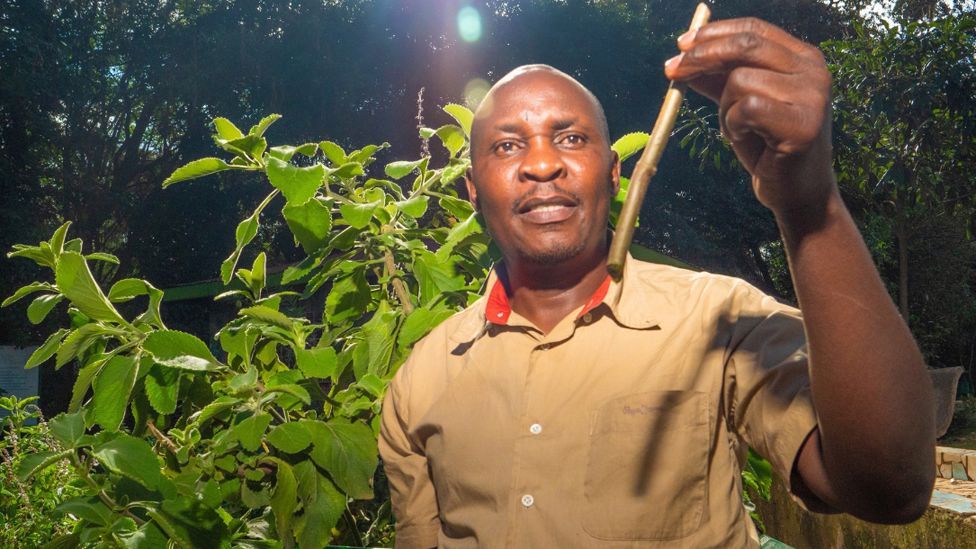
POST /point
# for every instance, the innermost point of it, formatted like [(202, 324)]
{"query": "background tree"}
[(905, 104)]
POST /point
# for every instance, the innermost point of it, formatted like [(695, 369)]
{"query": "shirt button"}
[(527, 500), (535, 428), (587, 318)]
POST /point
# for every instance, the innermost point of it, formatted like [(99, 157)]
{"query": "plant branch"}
[(102, 495), (399, 288), (161, 437)]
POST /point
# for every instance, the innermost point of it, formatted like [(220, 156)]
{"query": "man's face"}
[(543, 173)]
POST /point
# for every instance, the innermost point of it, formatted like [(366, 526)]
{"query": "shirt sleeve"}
[(411, 490), (769, 400)]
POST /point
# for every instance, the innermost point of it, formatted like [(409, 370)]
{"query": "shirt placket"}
[(528, 491)]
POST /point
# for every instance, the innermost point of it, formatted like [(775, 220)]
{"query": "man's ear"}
[(615, 174), (472, 190)]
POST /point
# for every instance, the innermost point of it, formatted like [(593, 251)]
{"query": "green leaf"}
[(291, 437), (372, 384), (180, 350), (226, 129), (99, 256), (246, 230), (310, 222), (419, 323), (460, 209), (397, 170), (77, 284), (218, 406), (323, 506), (295, 273), (37, 462), (286, 152), (249, 146), (262, 126), (462, 114), (27, 290), (147, 536), (414, 207), (348, 452), (57, 239), (190, 523), (64, 541), (78, 341), (46, 350), (435, 276), (195, 169), (128, 288), (333, 152), (89, 508), (462, 230), (630, 144), (68, 428), (112, 387), (297, 184), (365, 155), (284, 499), (291, 389), (244, 234), (358, 215), (267, 315), (73, 245), (258, 274), (42, 256), (162, 387), (250, 431), (132, 457), (318, 363), (82, 383), (452, 137), (348, 298), (378, 335), (41, 306), (347, 170)]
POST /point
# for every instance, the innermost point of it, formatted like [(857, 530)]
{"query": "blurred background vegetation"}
[(101, 100)]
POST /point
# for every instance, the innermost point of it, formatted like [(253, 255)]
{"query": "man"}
[(567, 410)]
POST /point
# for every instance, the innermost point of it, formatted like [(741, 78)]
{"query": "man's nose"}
[(541, 162)]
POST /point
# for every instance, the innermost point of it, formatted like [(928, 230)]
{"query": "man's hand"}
[(773, 94)]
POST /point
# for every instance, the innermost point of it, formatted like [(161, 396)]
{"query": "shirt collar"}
[(623, 298)]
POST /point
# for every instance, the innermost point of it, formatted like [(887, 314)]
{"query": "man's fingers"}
[(747, 25), (730, 52), (785, 127), (709, 85)]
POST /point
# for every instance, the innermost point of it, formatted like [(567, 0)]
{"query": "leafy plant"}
[(27, 508), (274, 443)]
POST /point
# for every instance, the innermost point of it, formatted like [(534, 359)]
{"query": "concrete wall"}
[(947, 524)]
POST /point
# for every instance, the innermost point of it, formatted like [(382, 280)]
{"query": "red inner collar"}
[(499, 309)]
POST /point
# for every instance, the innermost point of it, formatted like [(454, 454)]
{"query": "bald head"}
[(531, 76)]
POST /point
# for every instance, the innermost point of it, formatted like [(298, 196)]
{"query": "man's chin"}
[(551, 255)]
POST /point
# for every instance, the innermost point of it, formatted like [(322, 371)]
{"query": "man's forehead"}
[(544, 87)]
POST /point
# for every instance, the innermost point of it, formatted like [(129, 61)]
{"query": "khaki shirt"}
[(625, 426)]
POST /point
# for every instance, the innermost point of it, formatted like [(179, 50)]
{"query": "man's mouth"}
[(545, 210)]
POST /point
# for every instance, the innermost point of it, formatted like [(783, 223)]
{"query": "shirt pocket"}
[(646, 471)]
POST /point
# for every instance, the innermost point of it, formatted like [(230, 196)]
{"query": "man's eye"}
[(572, 140), (505, 147)]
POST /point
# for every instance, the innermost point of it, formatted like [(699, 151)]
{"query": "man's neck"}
[(545, 294)]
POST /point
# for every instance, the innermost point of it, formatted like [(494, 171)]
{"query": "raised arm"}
[(873, 453)]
